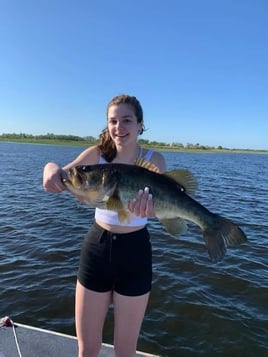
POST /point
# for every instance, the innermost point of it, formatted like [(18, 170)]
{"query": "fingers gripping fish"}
[(113, 185)]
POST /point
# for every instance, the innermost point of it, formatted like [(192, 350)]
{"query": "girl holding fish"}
[(116, 259)]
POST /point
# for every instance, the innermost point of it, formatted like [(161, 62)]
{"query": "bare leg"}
[(90, 311), (128, 315)]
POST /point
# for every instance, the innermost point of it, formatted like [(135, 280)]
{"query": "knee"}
[(91, 350)]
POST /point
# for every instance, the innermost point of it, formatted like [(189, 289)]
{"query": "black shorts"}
[(119, 262)]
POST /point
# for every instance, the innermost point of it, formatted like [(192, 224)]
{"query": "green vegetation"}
[(73, 140), (49, 138)]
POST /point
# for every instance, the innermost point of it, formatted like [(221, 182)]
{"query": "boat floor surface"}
[(27, 341)]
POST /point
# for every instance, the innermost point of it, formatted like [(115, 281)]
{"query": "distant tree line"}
[(178, 145), (93, 141), (48, 136)]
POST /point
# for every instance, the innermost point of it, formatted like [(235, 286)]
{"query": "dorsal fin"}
[(146, 164), (185, 178)]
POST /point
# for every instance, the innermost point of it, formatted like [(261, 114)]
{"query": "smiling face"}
[(123, 124)]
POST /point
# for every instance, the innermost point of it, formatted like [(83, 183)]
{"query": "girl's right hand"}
[(142, 204), (52, 178)]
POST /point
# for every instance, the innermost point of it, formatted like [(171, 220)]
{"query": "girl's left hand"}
[(142, 205)]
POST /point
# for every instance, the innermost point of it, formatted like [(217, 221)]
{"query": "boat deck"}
[(28, 341)]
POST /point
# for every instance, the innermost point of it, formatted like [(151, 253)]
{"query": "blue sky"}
[(198, 67)]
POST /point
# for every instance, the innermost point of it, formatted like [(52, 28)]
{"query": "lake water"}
[(196, 307)]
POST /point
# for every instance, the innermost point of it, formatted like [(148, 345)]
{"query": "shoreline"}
[(154, 147)]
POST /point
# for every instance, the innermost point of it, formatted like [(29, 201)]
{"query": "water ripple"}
[(196, 307)]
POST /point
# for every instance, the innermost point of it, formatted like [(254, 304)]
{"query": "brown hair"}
[(106, 145)]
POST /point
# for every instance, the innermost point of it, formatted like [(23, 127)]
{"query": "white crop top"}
[(111, 217)]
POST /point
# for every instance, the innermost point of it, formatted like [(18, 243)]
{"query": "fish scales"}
[(113, 185)]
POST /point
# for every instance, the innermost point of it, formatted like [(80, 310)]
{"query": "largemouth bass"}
[(112, 186)]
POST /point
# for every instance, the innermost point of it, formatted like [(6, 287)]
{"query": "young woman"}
[(116, 260)]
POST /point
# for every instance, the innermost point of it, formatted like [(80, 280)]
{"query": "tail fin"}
[(222, 234)]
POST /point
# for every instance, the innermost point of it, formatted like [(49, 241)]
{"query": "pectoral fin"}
[(174, 226), (124, 216), (114, 203)]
